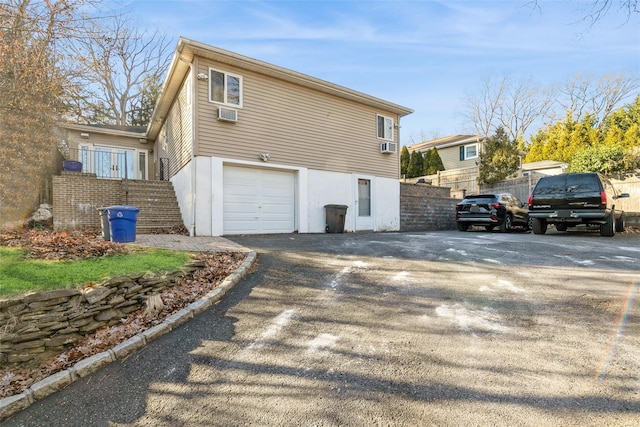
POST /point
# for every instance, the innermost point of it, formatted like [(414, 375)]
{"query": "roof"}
[(544, 164), (132, 131), (188, 49), (448, 141)]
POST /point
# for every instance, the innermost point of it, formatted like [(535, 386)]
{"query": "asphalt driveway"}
[(394, 329)]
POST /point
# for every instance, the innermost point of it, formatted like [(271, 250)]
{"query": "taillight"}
[(495, 205), (530, 202), (458, 207), (603, 197)]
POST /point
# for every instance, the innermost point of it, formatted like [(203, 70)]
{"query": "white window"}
[(468, 152), (225, 88), (385, 128)]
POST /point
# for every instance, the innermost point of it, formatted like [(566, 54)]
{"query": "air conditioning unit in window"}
[(227, 114), (388, 147)]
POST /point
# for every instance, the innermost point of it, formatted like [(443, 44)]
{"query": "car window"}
[(551, 185), (583, 183)]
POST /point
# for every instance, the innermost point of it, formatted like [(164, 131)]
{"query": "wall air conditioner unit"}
[(526, 173), (388, 147), (227, 114)]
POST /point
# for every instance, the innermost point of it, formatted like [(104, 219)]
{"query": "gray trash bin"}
[(335, 218), (104, 224)]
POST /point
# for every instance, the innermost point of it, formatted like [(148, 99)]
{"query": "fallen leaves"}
[(216, 266)]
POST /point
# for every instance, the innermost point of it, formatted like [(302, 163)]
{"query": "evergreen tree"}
[(405, 157), (499, 158), (435, 162), (416, 163)]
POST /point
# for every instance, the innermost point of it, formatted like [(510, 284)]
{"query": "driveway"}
[(395, 329)]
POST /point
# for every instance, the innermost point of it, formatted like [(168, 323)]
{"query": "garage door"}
[(258, 201)]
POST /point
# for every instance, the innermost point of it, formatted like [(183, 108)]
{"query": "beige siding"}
[(451, 158), (296, 125), (176, 140)]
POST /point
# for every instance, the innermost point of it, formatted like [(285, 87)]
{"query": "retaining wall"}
[(43, 323)]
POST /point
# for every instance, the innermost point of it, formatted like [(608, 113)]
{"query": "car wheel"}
[(529, 225), (561, 227), (620, 223), (539, 226), (608, 228), (505, 227), (462, 227)]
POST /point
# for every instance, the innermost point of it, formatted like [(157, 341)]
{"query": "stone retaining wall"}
[(425, 207), (39, 324)]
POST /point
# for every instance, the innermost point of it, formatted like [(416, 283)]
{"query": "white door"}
[(114, 162), (258, 201), (364, 205)]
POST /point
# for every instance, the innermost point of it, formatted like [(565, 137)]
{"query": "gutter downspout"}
[(192, 228)]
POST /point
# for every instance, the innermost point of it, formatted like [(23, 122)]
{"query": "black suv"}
[(572, 199), (490, 210)]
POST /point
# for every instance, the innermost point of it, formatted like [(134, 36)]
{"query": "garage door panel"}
[(258, 201)]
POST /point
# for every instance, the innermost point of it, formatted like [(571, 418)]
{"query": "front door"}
[(364, 206)]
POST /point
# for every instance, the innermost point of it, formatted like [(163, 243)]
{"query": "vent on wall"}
[(388, 147), (227, 114)]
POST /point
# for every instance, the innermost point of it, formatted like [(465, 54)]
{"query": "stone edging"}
[(43, 388)]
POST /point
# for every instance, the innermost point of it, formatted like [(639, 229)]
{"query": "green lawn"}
[(20, 275)]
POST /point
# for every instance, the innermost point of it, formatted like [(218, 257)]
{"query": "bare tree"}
[(596, 10), (121, 63), (586, 95), (32, 83), (504, 103)]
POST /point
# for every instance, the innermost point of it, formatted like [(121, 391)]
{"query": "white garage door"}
[(258, 201)]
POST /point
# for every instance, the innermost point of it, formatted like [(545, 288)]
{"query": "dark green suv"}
[(572, 199)]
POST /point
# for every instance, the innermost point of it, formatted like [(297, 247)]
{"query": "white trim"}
[(387, 127)]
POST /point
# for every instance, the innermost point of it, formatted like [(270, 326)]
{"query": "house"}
[(110, 152), (544, 167), (253, 148), (456, 151)]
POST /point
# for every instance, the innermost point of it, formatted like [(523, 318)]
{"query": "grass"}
[(19, 275)]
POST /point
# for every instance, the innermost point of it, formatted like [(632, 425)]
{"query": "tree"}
[(32, 84), (416, 164), (598, 97), (504, 103), (432, 162), (563, 139), (405, 158), (123, 74), (499, 158), (602, 158), (598, 9)]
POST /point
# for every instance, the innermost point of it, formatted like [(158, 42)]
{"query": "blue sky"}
[(425, 55)]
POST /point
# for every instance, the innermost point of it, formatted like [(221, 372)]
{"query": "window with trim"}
[(225, 88), (468, 152), (385, 128)]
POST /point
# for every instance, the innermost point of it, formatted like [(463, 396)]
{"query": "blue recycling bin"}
[(122, 223)]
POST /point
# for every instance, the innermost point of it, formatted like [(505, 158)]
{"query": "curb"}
[(53, 383)]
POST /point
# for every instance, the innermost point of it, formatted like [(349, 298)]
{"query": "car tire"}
[(608, 228), (620, 223), (561, 227), (505, 227), (462, 227), (539, 226)]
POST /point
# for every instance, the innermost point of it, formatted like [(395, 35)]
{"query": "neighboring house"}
[(544, 167), (112, 152), (456, 151), (256, 148)]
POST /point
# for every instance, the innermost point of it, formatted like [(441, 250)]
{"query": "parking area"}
[(403, 329)]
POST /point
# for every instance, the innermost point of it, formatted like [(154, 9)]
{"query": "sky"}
[(425, 55)]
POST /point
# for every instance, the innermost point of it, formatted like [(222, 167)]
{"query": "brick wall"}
[(425, 207), (77, 196)]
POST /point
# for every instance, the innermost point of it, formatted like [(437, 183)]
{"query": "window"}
[(385, 128), (225, 88), (468, 152)]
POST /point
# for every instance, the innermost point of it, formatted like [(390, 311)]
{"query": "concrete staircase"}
[(158, 205)]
